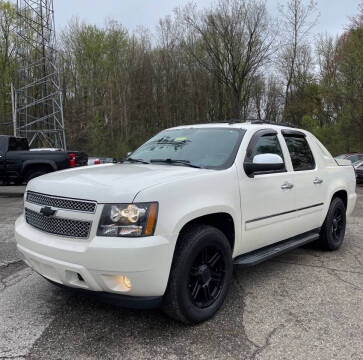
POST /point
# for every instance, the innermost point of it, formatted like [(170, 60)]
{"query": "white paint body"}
[(183, 194)]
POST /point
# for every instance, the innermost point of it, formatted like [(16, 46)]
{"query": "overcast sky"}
[(133, 13)]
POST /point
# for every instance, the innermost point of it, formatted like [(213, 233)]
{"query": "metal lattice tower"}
[(38, 96)]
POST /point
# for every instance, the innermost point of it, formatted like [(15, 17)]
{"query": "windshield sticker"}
[(182, 138)]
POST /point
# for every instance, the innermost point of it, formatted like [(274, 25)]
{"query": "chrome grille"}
[(58, 226), (62, 203)]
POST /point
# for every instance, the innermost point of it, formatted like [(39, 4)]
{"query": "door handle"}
[(317, 181), (287, 186)]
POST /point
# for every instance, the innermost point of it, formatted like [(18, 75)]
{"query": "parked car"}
[(18, 164), (352, 157), (358, 168), (167, 225), (100, 160), (93, 161)]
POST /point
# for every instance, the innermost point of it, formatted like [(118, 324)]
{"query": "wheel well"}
[(37, 167), (342, 194), (222, 221)]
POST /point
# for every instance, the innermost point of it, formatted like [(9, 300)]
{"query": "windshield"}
[(211, 148)]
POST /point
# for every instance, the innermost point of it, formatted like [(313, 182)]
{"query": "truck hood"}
[(109, 183)]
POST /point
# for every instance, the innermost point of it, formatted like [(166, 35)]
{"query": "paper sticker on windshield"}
[(181, 138)]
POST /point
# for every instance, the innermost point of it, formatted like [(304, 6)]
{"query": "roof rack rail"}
[(258, 121), (237, 121), (273, 123), (231, 121)]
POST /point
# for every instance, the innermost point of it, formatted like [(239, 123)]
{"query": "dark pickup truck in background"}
[(18, 164)]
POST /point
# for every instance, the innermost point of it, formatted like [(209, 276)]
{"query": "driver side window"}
[(264, 154), (267, 144)]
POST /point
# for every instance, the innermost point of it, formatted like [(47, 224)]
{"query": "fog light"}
[(124, 280), (117, 282)]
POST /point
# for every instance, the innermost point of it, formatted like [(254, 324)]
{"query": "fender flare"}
[(330, 198), (190, 216), (31, 163)]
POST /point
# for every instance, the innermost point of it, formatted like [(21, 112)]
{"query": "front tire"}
[(200, 275), (333, 230)]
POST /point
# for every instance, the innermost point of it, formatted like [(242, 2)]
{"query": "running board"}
[(267, 252)]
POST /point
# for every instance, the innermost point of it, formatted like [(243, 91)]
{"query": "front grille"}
[(58, 226), (58, 202)]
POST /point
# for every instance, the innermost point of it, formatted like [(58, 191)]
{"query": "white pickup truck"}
[(165, 227)]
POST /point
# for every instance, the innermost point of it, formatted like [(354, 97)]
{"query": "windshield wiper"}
[(136, 160), (176, 161)]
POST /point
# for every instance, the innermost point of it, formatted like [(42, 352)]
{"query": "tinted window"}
[(268, 144), (17, 144), (301, 155), (213, 148), (354, 158)]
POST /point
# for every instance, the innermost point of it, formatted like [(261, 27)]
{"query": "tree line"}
[(230, 61)]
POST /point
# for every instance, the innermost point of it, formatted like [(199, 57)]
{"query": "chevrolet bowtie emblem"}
[(47, 211)]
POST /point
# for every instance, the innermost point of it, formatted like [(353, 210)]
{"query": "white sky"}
[(133, 13)]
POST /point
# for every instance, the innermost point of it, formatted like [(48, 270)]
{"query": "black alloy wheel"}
[(200, 274), (206, 277), (338, 224), (333, 230)]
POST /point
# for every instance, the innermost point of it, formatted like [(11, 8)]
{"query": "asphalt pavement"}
[(307, 304)]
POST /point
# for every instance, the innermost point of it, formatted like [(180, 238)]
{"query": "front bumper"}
[(132, 302), (98, 263)]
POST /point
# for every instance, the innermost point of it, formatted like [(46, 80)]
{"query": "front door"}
[(267, 200)]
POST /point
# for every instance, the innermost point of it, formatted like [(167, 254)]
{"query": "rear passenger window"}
[(301, 155)]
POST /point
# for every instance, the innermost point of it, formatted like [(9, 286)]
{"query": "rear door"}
[(308, 179)]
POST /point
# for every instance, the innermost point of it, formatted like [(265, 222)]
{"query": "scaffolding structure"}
[(38, 110)]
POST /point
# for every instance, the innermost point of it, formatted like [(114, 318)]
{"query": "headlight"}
[(129, 220)]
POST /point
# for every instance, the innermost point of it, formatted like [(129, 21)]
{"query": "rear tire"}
[(333, 230), (31, 174), (200, 275)]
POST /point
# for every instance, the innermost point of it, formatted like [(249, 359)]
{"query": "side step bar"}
[(267, 252)]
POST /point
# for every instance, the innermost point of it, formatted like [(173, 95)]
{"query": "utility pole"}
[(13, 112)]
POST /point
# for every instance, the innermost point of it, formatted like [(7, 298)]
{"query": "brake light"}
[(97, 162), (72, 160)]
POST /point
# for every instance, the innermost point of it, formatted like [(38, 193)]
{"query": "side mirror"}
[(263, 163), (128, 154)]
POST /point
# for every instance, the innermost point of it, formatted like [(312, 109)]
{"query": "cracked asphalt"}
[(307, 304)]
